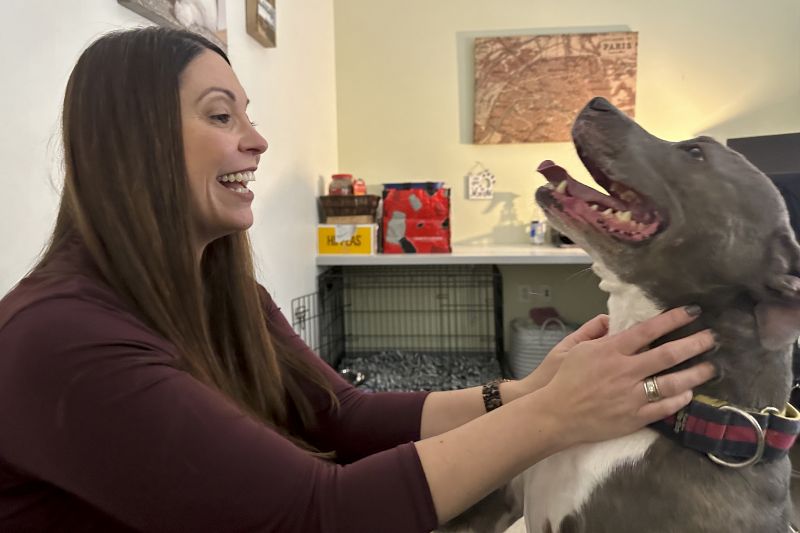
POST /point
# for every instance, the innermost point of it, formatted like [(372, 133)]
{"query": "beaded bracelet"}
[(491, 394)]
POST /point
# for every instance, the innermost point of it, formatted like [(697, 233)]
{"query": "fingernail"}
[(692, 310)]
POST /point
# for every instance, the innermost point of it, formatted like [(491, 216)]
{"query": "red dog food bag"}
[(416, 218)]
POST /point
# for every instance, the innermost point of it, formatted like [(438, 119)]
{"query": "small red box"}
[(416, 218)]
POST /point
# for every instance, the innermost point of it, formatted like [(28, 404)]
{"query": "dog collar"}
[(730, 435)]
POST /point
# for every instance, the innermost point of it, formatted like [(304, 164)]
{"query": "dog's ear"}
[(778, 315)]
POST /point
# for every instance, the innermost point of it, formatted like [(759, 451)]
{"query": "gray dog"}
[(685, 222)]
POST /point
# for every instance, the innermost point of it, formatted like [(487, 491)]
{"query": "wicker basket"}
[(348, 205), (530, 343)]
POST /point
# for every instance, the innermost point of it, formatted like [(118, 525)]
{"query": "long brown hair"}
[(126, 199)]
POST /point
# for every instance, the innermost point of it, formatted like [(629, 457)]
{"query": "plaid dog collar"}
[(730, 435)]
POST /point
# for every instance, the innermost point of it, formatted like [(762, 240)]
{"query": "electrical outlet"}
[(524, 293), (544, 293)]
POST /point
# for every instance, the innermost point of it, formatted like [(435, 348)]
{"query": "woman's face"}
[(221, 147)]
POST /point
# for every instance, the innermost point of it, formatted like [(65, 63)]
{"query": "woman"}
[(148, 383)]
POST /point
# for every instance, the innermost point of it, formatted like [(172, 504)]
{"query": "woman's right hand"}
[(599, 388)]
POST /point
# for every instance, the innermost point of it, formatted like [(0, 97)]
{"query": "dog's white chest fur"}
[(562, 483)]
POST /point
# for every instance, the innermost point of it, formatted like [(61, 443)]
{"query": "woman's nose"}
[(254, 142)]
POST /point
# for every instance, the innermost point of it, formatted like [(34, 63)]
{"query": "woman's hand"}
[(595, 394), (599, 385), (544, 372)]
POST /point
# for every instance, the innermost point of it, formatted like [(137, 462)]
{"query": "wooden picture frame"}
[(206, 17), (261, 19)]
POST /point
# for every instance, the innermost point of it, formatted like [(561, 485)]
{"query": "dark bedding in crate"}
[(396, 370)]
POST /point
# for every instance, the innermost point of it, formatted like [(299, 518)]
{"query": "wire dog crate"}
[(434, 327)]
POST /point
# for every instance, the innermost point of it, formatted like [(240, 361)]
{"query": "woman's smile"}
[(236, 182)]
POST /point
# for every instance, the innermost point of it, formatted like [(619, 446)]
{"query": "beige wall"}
[(404, 77), (727, 68), (573, 292)]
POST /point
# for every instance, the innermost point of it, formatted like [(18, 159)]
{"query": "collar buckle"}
[(760, 436)]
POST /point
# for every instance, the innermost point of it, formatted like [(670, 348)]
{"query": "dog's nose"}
[(599, 103)]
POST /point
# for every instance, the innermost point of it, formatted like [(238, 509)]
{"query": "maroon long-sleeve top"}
[(100, 432)]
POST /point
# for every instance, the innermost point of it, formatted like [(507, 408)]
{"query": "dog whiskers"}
[(578, 273)]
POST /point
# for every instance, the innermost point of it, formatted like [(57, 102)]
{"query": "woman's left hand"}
[(541, 376)]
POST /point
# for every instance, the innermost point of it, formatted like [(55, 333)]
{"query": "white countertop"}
[(512, 254)]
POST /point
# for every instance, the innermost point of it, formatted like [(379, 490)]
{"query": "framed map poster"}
[(529, 89)]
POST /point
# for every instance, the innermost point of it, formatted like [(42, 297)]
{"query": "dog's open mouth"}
[(623, 213)]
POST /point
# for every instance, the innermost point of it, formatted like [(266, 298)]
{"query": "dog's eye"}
[(696, 153)]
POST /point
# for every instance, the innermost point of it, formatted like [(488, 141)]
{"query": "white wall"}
[(292, 89), (38, 47), (404, 71), (293, 100)]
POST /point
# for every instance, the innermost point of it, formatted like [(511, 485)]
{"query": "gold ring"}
[(651, 391)]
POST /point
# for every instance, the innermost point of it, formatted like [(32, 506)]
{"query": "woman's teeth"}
[(237, 177), (242, 177)]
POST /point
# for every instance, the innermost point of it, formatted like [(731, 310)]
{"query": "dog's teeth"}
[(608, 212), (562, 187), (594, 207), (549, 185), (624, 217)]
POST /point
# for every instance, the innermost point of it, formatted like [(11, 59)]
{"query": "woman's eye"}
[(223, 118)]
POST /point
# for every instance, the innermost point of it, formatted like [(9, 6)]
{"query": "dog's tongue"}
[(556, 174)]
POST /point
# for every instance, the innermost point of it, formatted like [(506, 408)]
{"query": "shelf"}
[(514, 254)]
